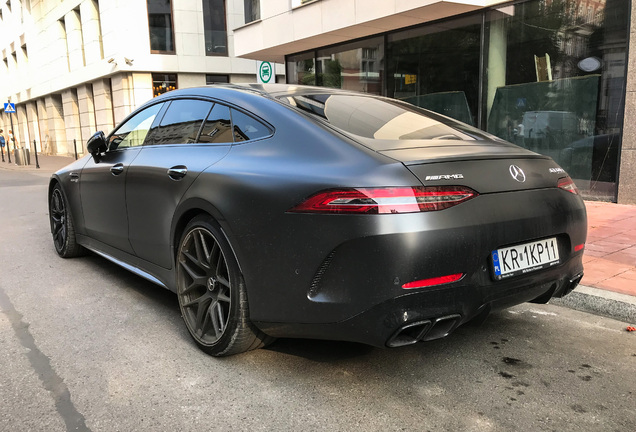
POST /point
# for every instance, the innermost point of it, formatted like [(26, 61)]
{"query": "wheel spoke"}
[(215, 323), (219, 265), (204, 304), (218, 311), (223, 281), (207, 322), (57, 207), (190, 288), (194, 301), (196, 278), (194, 260), (216, 250), (200, 245), (59, 238)]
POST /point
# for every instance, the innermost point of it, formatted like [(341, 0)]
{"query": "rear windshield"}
[(382, 119)]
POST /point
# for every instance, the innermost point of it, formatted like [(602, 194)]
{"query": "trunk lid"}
[(485, 166)]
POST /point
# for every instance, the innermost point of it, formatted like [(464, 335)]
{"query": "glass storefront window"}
[(160, 26), (162, 83), (301, 69), (556, 76), (548, 75), (437, 67), (215, 27), (357, 66)]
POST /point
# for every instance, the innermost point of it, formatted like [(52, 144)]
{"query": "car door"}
[(103, 181), (192, 135)]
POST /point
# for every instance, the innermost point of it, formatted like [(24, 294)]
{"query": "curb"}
[(621, 307)]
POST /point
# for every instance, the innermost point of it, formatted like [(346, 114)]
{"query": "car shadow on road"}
[(327, 351), (321, 351)]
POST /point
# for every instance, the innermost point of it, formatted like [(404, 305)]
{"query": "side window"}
[(218, 126), (247, 128), (181, 123), (133, 132)]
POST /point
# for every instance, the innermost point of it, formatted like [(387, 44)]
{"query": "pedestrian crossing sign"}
[(9, 107)]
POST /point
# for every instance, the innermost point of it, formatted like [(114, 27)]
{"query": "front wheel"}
[(211, 292), (62, 227)]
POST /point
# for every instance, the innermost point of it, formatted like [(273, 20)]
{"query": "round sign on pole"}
[(264, 72)]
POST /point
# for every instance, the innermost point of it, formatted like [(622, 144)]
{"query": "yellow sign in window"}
[(410, 79)]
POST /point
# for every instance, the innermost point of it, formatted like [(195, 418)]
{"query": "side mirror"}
[(96, 144)]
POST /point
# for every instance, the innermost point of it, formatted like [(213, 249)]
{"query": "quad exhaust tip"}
[(425, 330)]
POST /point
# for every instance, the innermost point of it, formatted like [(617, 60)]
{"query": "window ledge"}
[(248, 24), (305, 4)]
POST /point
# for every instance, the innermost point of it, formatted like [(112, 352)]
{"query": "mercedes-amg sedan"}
[(288, 211)]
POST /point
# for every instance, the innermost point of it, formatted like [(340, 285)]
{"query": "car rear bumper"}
[(347, 283), (436, 312)]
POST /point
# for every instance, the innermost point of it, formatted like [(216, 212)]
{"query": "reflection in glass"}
[(181, 122), (162, 83), (252, 10), (437, 67), (301, 69), (160, 26), (133, 132), (247, 128), (218, 126), (211, 79), (357, 66), (214, 27), (381, 119), (555, 84)]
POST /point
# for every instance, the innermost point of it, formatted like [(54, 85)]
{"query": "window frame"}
[(214, 101), (227, 51), (174, 45), (164, 110)]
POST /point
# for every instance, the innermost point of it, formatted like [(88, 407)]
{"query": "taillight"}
[(385, 200), (440, 280), (567, 184)]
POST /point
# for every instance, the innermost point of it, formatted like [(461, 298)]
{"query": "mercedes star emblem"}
[(517, 173)]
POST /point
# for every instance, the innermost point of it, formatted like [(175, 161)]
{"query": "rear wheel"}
[(62, 227), (211, 292)]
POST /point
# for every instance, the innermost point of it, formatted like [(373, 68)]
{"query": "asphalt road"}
[(85, 345)]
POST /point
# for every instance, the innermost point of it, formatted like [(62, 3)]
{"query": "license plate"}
[(525, 258)]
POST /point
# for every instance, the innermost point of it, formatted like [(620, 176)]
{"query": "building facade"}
[(549, 75), (72, 67)]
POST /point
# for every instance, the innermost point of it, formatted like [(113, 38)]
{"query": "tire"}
[(62, 227), (211, 292)]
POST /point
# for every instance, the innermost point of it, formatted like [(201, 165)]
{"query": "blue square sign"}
[(9, 107)]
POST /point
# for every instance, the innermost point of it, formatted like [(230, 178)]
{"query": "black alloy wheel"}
[(62, 227), (211, 292)]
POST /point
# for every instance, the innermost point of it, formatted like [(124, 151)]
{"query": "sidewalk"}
[(48, 164), (609, 285)]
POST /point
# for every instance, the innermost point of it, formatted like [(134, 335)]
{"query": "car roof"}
[(270, 91)]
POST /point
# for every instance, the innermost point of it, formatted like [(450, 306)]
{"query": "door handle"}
[(117, 169), (177, 172)]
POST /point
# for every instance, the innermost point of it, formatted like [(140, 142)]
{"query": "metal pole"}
[(75, 147), (12, 136), (35, 149)]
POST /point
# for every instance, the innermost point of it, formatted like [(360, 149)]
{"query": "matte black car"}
[(287, 211)]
